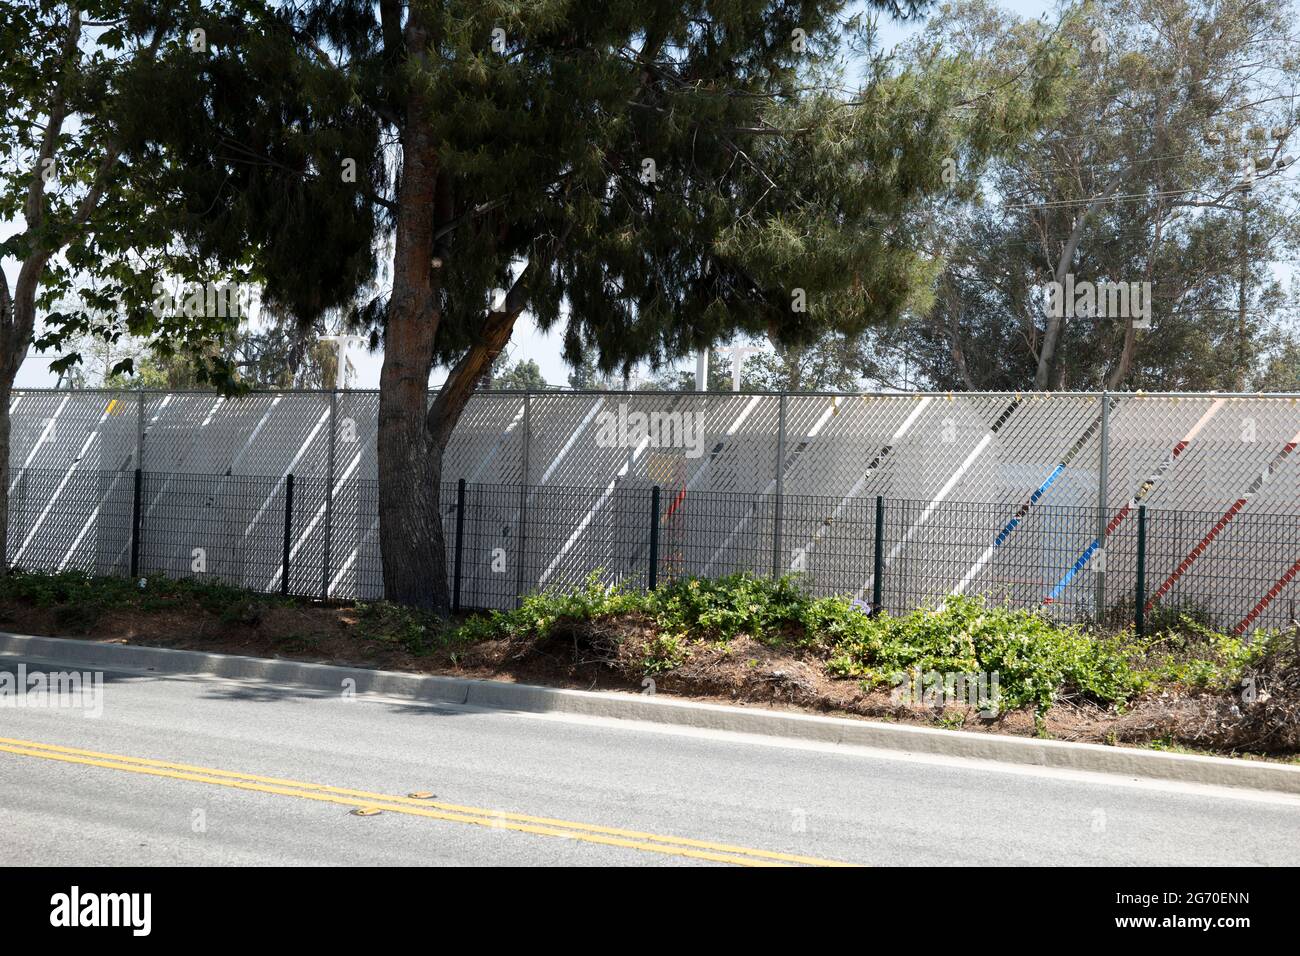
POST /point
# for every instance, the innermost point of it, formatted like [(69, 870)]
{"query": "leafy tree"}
[(1282, 371), (1171, 108), (833, 363), (524, 374), (584, 374), (75, 85), (670, 378), (269, 357), (155, 373), (675, 173)]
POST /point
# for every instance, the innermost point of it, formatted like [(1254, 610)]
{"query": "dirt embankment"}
[(612, 655)]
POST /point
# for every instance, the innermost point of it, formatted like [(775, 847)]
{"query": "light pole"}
[(702, 370), (1247, 182), (342, 341), (738, 355)]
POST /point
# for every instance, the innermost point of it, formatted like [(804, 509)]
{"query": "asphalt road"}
[(214, 772)]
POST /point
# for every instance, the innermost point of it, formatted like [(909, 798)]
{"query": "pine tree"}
[(674, 173)]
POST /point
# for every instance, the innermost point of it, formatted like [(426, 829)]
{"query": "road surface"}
[(200, 771)]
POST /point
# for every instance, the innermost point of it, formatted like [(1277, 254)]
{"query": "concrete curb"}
[(1151, 764)]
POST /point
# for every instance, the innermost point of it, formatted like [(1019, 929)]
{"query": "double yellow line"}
[(415, 806)]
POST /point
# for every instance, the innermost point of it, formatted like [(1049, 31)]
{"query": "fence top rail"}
[(558, 391)]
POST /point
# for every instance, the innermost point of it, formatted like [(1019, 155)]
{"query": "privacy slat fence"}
[(1031, 498)]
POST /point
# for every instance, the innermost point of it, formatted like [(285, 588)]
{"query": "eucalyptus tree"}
[(1166, 169)]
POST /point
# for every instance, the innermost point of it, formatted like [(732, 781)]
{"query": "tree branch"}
[(445, 409), (35, 208)]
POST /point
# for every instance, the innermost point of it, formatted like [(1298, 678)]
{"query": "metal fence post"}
[(139, 430), (652, 573), (878, 563), (780, 490), (520, 559), (329, 497), (288, 534), (460, 545), (135, 524), (1103, 487), (1140, 608)]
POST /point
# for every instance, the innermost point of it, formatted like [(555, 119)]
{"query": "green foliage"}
[(1036, 660), (721, 608), (689, 609), (664, 652), (584, 374), (99, 229), (773, 168), (1188, 653), (524, 374), (1199, 73), (539, 613), (835, 362), (79, 600), (417, 631), (1282, 371)]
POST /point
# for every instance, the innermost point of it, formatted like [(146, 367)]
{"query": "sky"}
[(528, 342)]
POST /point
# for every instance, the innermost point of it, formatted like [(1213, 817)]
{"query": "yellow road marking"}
[(372, 805), (545, 826), (422, 802)]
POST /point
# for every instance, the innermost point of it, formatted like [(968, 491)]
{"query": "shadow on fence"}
[(297, 535)]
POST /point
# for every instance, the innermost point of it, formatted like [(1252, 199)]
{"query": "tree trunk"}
[(412, 544), (17, 319), (1124, 365), (413, 434), (1047, 358), (6, 387), (410, 528), (954, 337), (411, 445), (1120, 373)]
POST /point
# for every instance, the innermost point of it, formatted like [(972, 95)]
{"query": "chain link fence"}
[(1001, 494), (504, 541)]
